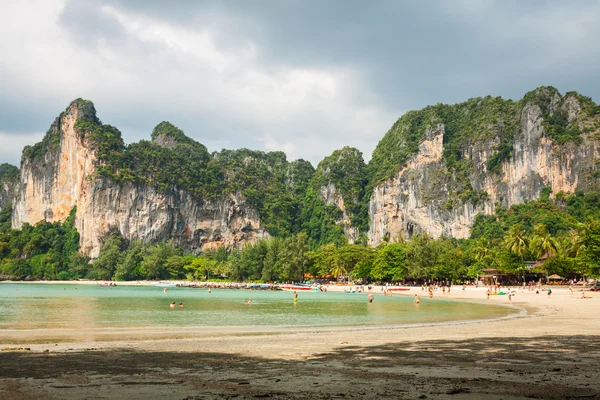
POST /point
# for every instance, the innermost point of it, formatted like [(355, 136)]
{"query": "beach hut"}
[(555, 277)]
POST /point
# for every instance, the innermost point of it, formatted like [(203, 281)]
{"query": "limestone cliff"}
[(9, 180), (63, 172), (331, 196), (339, 181), (544, 141)]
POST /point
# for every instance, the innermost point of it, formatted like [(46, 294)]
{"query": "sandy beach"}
[(551, 350)]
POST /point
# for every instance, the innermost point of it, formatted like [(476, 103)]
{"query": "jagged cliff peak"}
[(84, 110), (167, 135), (564, 117), (83, 119)]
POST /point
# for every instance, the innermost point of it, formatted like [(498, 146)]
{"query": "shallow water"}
[(43, 306)]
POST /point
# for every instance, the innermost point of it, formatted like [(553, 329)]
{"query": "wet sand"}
[(553, 351)]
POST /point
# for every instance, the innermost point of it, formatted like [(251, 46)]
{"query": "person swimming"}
[(172, 305), (181, 305)]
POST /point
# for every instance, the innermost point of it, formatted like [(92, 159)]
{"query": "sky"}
[(305, 77)]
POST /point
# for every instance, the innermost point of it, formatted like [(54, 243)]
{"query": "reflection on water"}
[(41, 306)]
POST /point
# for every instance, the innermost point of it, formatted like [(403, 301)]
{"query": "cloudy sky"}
[(306, 77)]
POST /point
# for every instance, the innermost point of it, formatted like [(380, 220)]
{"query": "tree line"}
[(537, 231)]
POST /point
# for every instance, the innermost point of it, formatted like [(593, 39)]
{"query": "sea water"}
[(62, 306)]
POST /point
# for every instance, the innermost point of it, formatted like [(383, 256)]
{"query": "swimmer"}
[(172, 305), (181, 305), (417, 301), (370, 297), (208, 290), (248, 301), (164, 290)]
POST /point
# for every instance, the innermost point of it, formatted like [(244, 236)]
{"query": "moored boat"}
[(296, 287)]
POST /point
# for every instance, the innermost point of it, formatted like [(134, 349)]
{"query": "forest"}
[(561, 235)]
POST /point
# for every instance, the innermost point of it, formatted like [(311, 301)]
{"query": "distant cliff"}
[(433, 172), (64, 171), (9, 180), (460, 160)]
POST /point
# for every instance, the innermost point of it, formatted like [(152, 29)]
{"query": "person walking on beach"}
[(370, 297), (549, 292), (487, 292)]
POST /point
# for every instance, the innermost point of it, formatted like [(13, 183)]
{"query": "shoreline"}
[(551, 352)]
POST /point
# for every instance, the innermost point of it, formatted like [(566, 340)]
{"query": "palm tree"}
[(516, 240), (542, 242), (338, 270), (482, 248), (561, 260)]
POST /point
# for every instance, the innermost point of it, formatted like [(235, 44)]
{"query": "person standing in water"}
[(370, 297), (172, 305), (295, 297), (417, 301)]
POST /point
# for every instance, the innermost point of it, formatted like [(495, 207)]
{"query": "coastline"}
[(503, 358)]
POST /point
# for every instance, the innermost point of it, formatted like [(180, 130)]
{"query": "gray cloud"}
[(303, 77)]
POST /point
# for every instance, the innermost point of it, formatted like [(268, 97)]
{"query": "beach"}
[(549, 350)]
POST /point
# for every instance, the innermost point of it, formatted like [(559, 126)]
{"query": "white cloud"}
[(165, 71), (272, 144), (10, 150)]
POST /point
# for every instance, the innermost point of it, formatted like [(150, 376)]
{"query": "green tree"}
[(541, 242), (111, 256)]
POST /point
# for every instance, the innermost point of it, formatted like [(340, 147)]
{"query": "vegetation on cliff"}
[(564, 234), (8, 173), (288, 195), (474, 120)]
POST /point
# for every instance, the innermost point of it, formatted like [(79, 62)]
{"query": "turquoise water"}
[(42, 306)]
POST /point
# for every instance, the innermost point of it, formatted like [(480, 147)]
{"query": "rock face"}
[(419, 198), (64, 177), (331, 196), (9, 181)]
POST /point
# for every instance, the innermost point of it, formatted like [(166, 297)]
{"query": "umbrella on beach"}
[(555, 276)]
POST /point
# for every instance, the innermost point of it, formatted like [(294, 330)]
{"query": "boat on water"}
[(398, 289), (298, 287)]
